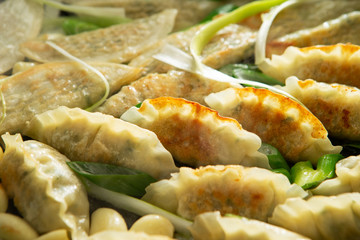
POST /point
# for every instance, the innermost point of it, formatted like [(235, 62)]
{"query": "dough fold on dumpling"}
[(96, 137), (45, 190), (277, 120), (118, 43), (321, 217), (336, 106), (331, 64), (213, 226), (47, 86), (196, 135), (347, 178), (246, 191)]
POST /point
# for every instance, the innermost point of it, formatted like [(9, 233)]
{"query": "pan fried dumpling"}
[(246, 191), (177, 84), (343, 29), (336, 106), (230, 45), (321, 217), (50, 85), (347, 180), (213, 226), (331, 64), (96, 137), (45, 190), (118, 43), (196, 135), (277, 120)]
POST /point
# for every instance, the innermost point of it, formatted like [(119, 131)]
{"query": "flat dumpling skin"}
[(336, 106), (277, 120), (45, 190), (118, 43), (177, 84), (321, 217), (246, 191), (196, 135), (331, 64), (47, 86), (96, 137), (213, 226), (347, 178)]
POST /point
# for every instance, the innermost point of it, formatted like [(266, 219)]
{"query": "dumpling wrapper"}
[(196, 135), (50, 85), (250, 192), (20, 20), (172, 84), (331, 64), (213, 226), (231, 44), (118, 43), (277, 120), (347, 178), (321, 217), (45, 190), (336, 106), (96, 137)]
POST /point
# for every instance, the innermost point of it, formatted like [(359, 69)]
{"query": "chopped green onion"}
[(116, 178), (304, 175), (276, 160), (136, 206), (74, 26), (250, 72)]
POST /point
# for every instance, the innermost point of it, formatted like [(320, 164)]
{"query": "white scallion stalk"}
[(118, 14), (136, 206), (179, 59), (267, 18), (97, 72)]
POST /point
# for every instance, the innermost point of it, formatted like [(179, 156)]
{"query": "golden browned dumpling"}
[(337, 106), (196, 135), (246, 191), (48, 86), (277, 120), (118, 43), (331, 64)]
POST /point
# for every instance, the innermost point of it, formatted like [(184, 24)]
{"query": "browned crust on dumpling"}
[(273, 126), (189, 139)]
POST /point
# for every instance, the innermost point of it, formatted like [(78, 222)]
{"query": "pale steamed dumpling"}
[(96, 137), (45, 190)]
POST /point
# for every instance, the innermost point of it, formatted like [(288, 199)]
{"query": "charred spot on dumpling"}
[(197, 135)]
